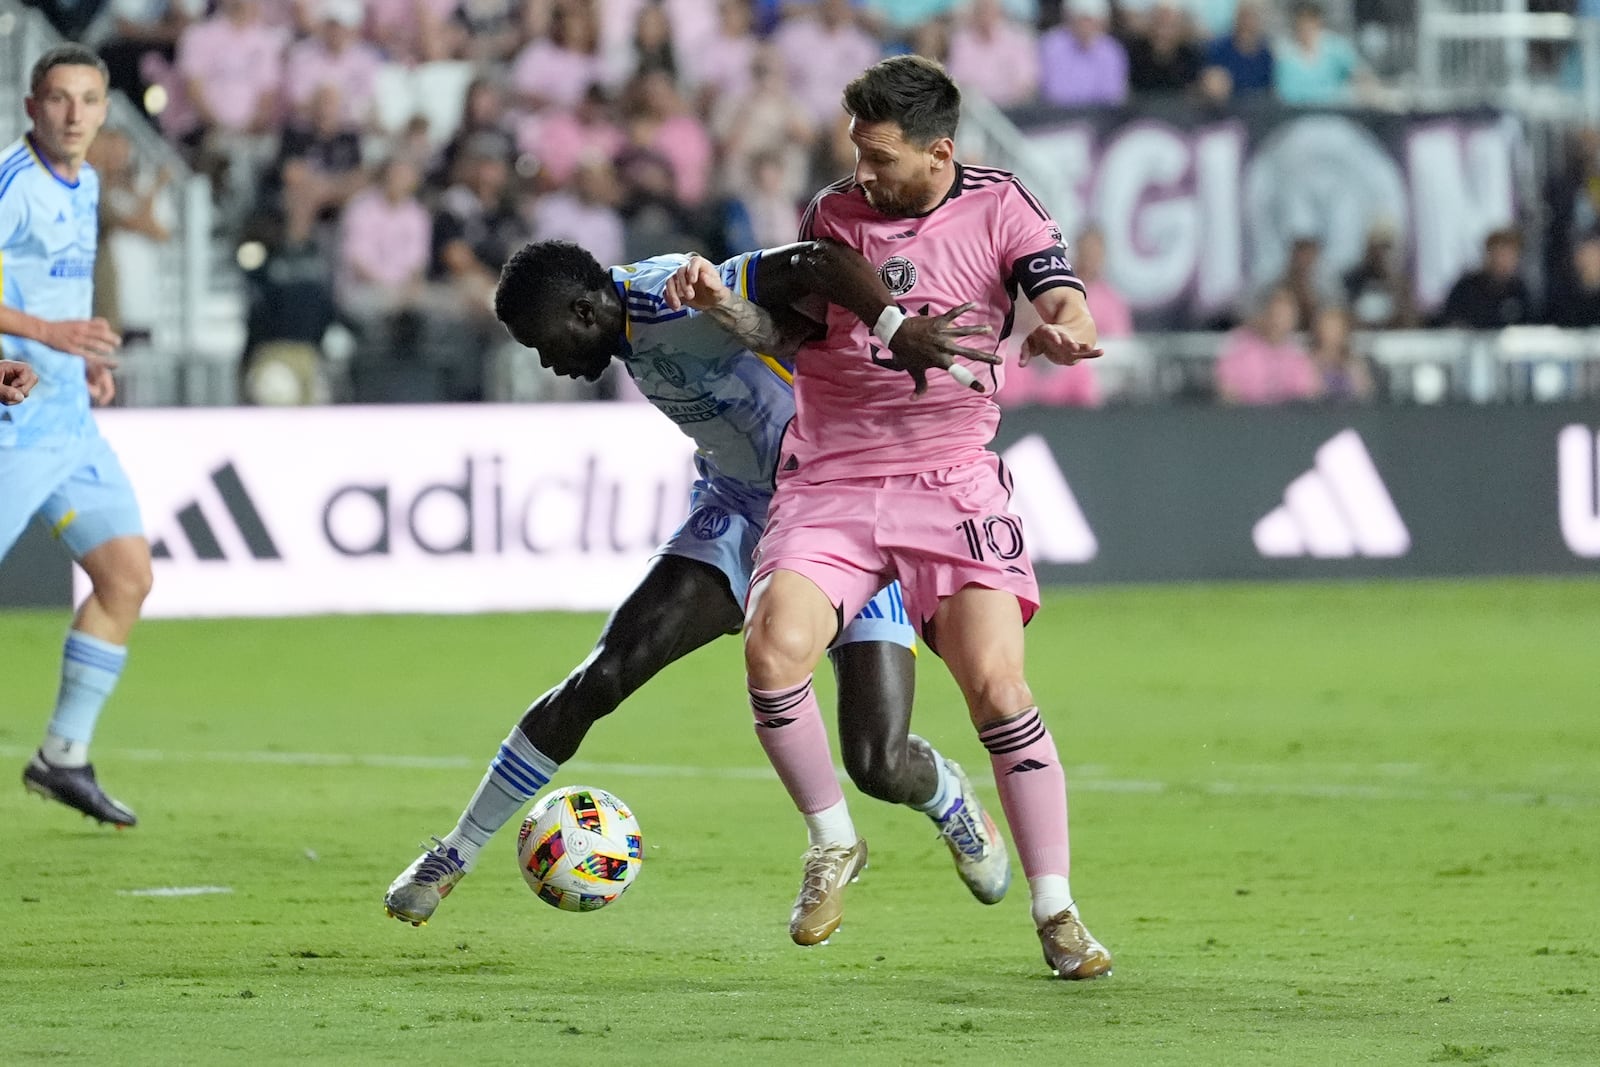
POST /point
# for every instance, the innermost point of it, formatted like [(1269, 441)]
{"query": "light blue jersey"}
[(48, 230), (53, 462), (735, 405)]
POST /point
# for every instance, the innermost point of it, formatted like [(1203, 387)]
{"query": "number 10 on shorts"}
[(1000, 534)]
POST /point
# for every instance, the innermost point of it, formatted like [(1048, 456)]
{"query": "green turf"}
[(1316, 824)]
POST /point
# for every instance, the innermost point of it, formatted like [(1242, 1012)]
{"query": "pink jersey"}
[(988, 239)]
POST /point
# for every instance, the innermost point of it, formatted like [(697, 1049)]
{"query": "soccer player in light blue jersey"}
[(735, 404), (54, 465)]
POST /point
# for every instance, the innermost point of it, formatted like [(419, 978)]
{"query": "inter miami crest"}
[(899, 274)]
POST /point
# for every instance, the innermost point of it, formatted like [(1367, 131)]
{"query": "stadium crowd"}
[(378, 160)]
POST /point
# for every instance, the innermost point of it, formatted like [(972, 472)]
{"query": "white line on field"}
[(1085, 779), (176, 891)]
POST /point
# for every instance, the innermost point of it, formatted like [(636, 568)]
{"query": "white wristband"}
[(888, 323)]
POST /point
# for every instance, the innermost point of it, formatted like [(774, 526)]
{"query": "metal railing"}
[(1483, 52), (1522, 364)]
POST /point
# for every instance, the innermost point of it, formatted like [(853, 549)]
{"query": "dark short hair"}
[(913, 92), (544, 271), (1504, 236), (65, 55), (1306, 9)]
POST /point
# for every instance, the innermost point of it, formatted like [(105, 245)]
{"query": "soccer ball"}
[(579, 848)]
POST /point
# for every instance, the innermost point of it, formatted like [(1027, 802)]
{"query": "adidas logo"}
[(1578, 484), (1027, 765), (1042, 499), (773, 724), (1338, 509), (202, 536)]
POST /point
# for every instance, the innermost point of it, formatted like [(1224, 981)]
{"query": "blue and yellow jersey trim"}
[(747, 289)]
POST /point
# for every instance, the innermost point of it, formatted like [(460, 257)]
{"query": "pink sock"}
[(789, 724), (1033, 791)]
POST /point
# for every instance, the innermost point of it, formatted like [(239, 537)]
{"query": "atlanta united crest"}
[(899, 274)]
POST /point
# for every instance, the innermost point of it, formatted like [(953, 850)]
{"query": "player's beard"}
[(907, 201)]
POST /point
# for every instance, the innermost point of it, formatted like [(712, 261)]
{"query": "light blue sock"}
[(517, 772), (90, 668)]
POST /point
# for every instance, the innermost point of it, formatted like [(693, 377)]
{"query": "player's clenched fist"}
[(16, 380), (1054, 343), (696, 284)]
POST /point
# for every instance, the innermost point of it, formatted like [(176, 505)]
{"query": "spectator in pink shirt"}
[(561, 141), (822, 51), (1262, 363), (232, 66), (722, 68), (658, 120), (1081, 65), (585, 213), (384, 244), (336, 56), (994, 56), (691, 23), (558, 69), (1112, 316), (414, 31), (764, 120), (232, 70)]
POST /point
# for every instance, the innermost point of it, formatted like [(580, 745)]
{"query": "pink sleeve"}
[(1024, 226)]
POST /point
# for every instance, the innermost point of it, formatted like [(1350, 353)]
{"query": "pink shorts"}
[(938, 532)]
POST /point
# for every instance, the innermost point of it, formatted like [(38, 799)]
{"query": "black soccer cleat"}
[(77, 789)]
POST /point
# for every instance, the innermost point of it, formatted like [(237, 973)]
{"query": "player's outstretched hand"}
[(928, 342), (696, 284), (82, 337), (16, 379), (1055, 344), (102, 386)]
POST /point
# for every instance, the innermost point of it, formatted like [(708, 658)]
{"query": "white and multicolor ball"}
[(579, 848)]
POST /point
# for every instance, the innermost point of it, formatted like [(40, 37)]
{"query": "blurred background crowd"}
[(369, 164)]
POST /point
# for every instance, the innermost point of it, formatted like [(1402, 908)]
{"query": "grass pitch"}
[(1315, 824)]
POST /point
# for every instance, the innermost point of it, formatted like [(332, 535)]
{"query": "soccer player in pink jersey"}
[(875, 483)]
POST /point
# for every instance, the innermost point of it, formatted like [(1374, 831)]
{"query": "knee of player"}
[(127, 584), (878, 770), (999, 698), (775, 652)]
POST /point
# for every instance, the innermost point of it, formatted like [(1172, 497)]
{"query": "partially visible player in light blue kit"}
[(735, 404), (54, 465)]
